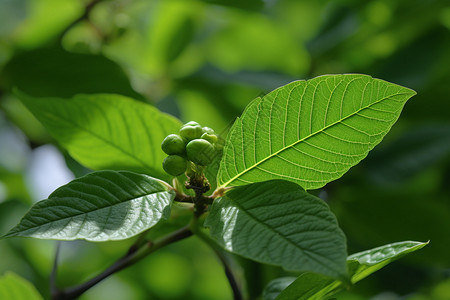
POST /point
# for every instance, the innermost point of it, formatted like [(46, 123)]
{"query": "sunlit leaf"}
[(101, 206), (310, 132), (107, 131), (312, 286), (277, 222), (14, 287)]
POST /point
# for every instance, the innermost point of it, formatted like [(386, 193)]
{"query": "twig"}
[(138, 243), (237, 294), (129, 259), (54, 272)]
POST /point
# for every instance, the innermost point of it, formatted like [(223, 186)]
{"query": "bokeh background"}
[(205, 61)]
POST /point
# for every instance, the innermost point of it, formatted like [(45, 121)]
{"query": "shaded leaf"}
[(105, 131), (277, 222), (310, 132), (54, 72), (14, 287), (360, 265), (101, 206)]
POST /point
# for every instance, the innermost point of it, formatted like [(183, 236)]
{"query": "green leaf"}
[(276, 286), (54, 72), (310, 132), (107, 131), (277, 222), (360, 265), (14, 287), (101, 206)]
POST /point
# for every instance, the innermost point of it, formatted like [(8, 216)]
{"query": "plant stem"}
[(53, 275), (129, 259), (237, 294)]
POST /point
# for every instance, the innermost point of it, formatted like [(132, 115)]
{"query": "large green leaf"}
[(105, 131), (14, 287), (101, 206), (310, 286), (54, 72), (310, 132), (277, 222)]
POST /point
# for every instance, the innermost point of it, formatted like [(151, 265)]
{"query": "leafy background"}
[(205, 60)]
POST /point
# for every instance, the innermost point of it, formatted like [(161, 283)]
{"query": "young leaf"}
[(101, 206), (276, 286), (277, 222), (310, 132), (312, 286), (107, 131), (14, 287), (362, 264)]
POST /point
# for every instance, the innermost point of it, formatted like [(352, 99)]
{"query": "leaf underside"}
[(101, 206), (312, 286), (105, 131), (277, 222), (310, 132)]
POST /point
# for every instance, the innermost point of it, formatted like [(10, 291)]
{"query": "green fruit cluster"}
[(193, 143)]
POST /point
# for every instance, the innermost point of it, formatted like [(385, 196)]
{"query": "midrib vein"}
[(305, 138), (99, 137), (112, 206)]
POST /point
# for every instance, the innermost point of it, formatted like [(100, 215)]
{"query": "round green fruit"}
[(175, 165), (191, 123), (212, 138), (173, 144), (191, 132), (208, 130), (200, 152)]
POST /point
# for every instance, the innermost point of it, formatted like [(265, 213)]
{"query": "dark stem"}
[(141, 239), (54, 272), (129, 259), (237, 294)]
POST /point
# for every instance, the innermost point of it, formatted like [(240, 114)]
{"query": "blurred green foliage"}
[(205, 60)]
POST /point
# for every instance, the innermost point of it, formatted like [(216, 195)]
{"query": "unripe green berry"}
[(200, 152), (208, 130), (174, 165), (191, 123), (173, 144), (191, 132), (212, 138)]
